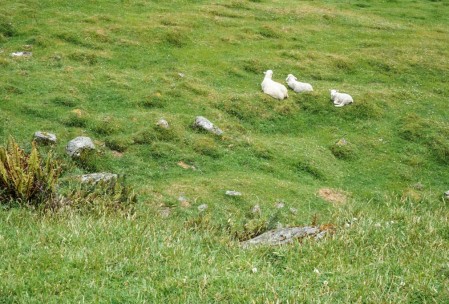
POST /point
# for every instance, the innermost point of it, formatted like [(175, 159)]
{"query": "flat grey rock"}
[(282, 236), (203, 123), (79, 144), (97, 177), (233, 193), (44, 137), (21, 54)]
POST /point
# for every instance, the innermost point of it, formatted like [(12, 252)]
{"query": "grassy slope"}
[(117, 64)]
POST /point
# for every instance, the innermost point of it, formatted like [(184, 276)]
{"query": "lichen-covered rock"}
[(44, 138), (97, 177), (79, 144), (162, 123), (282, 236), (203, 123), (233, 193)]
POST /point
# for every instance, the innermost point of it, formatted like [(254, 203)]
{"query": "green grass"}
[(110, 70)]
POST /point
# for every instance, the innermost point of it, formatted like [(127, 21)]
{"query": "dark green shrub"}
[(27, 178)]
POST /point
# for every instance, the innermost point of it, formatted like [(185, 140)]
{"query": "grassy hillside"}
[(111, 69)]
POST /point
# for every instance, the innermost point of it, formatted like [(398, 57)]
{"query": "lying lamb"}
[(340, 99), (273, 88), (297, 86)]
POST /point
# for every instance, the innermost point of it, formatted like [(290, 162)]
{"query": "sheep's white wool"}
[(273, 88), (340, 99), (297, 86)]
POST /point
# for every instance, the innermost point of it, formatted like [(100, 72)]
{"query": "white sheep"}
[(297, 86), (273, 88), (340, 99)]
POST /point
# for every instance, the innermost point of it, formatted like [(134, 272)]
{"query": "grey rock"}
[(21, 54), (282, 236), (182, 199), (203, 123), (280, 205), (202, 207), (79, 144), (45, 137), (162, 123), (97, 177), (164, 212), (233, 193), (256, 209)]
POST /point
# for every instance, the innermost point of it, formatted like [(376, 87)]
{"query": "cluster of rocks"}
[(74, 149)]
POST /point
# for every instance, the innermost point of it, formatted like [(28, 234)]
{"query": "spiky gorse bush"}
[(26, 177)]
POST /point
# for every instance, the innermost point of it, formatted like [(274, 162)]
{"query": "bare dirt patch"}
[(333, 196)]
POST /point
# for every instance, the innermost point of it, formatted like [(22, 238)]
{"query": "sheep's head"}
[(333, 92), (290, 77), (268, 73)]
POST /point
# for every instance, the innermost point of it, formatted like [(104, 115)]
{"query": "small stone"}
[(280, 205), (316, 271), (97, 177), (203, 123), (233, 193), (341, 142), (21, 54), (162, 123), (202, 207), (294, 210), (182, 198), (79, 144), (44, 137), (254, 270), (256, 209), (377, 225), (181, 75)]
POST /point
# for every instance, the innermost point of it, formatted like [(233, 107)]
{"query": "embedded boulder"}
[(283, 236), (45, 138), (79, 144), (205, 124), (94, 178)]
